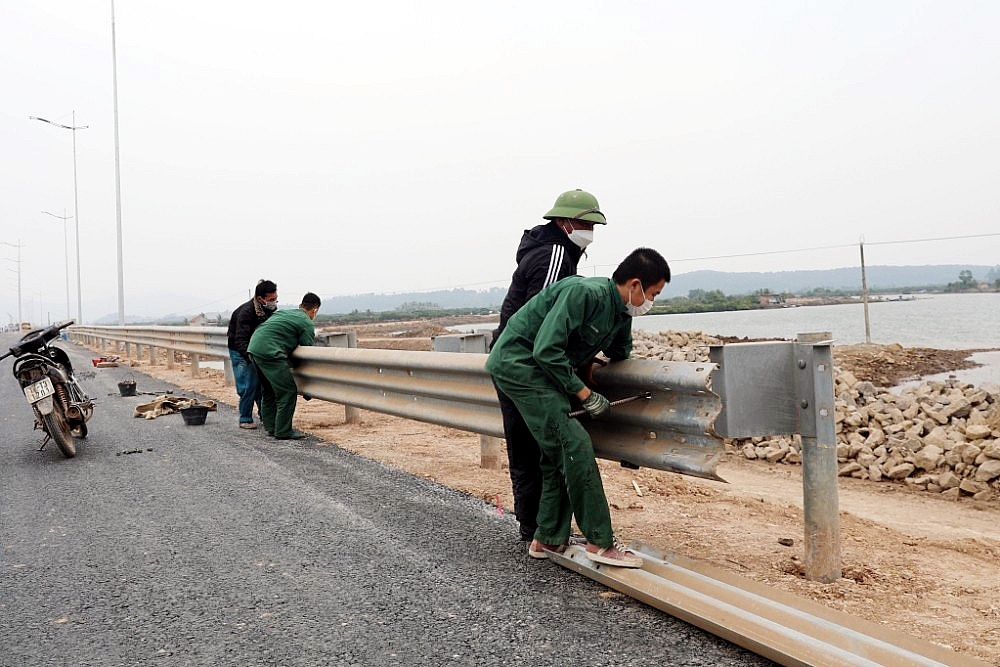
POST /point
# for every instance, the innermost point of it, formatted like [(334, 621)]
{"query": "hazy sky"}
[(346, 148)]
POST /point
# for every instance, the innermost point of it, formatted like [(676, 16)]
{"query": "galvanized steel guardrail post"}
[(352, 415), (774, 388), (491, 449)]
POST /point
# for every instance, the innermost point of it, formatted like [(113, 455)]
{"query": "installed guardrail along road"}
[(213, 546)]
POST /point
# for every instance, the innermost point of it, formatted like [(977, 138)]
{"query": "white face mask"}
[(581, 237), (636, 311)]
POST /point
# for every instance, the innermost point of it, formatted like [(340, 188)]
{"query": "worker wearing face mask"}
[(242, 323), (271, 348), (534, 364), (547, 253)]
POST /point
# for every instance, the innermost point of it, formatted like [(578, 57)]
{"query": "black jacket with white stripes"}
[(544, 256)]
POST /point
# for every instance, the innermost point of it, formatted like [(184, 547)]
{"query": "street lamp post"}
[(76, 210), (18, 246), (64, 218), (118, 176)]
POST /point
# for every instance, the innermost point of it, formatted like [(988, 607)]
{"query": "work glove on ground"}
[(596, 405)]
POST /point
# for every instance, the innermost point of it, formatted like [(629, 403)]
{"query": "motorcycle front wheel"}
[(58, 428)]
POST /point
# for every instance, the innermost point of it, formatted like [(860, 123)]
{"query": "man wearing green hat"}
[(547, 253)]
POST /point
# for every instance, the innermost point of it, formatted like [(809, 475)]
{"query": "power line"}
[(828, 247), (940, 238), (764, 252)]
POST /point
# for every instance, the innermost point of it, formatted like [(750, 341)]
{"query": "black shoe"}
[(527, 535), (294, 435)]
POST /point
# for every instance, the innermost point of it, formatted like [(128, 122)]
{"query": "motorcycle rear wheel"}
[(58, 428)]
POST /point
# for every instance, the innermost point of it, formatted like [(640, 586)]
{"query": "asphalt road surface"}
[(214, 546)]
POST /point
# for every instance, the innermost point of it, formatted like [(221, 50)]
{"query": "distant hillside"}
[(456, 298), (879, 278), (731, 284)]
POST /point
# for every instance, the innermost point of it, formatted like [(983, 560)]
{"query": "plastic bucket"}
[(126, 387), (194, 415)]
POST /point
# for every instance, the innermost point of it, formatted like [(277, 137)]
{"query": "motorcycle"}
[(45, 374)]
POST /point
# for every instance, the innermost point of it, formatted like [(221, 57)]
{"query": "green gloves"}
[(596, 405)]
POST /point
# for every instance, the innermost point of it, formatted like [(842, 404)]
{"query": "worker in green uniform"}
[(271, 347), (534, 362)]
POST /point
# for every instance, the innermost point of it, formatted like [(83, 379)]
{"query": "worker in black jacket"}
[(242, 323), (547, 253)]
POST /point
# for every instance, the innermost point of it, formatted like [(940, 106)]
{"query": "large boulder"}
[(929, 457), (948, 480), (977, 431), (990, 469), (901, 471), (939, 437)]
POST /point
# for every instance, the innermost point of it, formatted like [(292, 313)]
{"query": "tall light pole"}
[(18, 246), (76, 210), (64, 218), (118, 177)]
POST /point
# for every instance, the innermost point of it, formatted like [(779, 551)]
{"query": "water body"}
[(943, 321)]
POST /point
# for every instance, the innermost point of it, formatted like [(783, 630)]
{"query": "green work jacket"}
[(558, 330), (281, 333)]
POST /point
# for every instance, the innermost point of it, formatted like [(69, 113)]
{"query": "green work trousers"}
[(571, 481), (278, 394)]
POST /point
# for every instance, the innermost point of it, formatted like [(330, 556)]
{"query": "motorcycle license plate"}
[(39, 390)]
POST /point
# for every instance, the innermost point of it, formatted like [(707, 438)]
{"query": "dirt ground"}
[(891, 365), (912, 561)]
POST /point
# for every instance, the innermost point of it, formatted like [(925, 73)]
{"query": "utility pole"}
[(864, 292)]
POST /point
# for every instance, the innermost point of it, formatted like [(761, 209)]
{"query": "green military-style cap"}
[(577, 205)]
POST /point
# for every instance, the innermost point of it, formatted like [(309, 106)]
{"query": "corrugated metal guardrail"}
[(671, 431), (197, 342), (205, 341)]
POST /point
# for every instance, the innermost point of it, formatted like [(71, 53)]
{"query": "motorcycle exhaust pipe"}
[(73, 412)]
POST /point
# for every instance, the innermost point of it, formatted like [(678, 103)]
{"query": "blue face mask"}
[(636, 311)]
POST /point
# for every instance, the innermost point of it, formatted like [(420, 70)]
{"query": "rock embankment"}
[(941, 437)]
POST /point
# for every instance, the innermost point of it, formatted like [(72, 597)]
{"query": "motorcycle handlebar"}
[(35, 339), (59, 326), (51, 331)]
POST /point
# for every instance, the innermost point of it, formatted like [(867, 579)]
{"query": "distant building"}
[(205, 320), (770, 300)]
